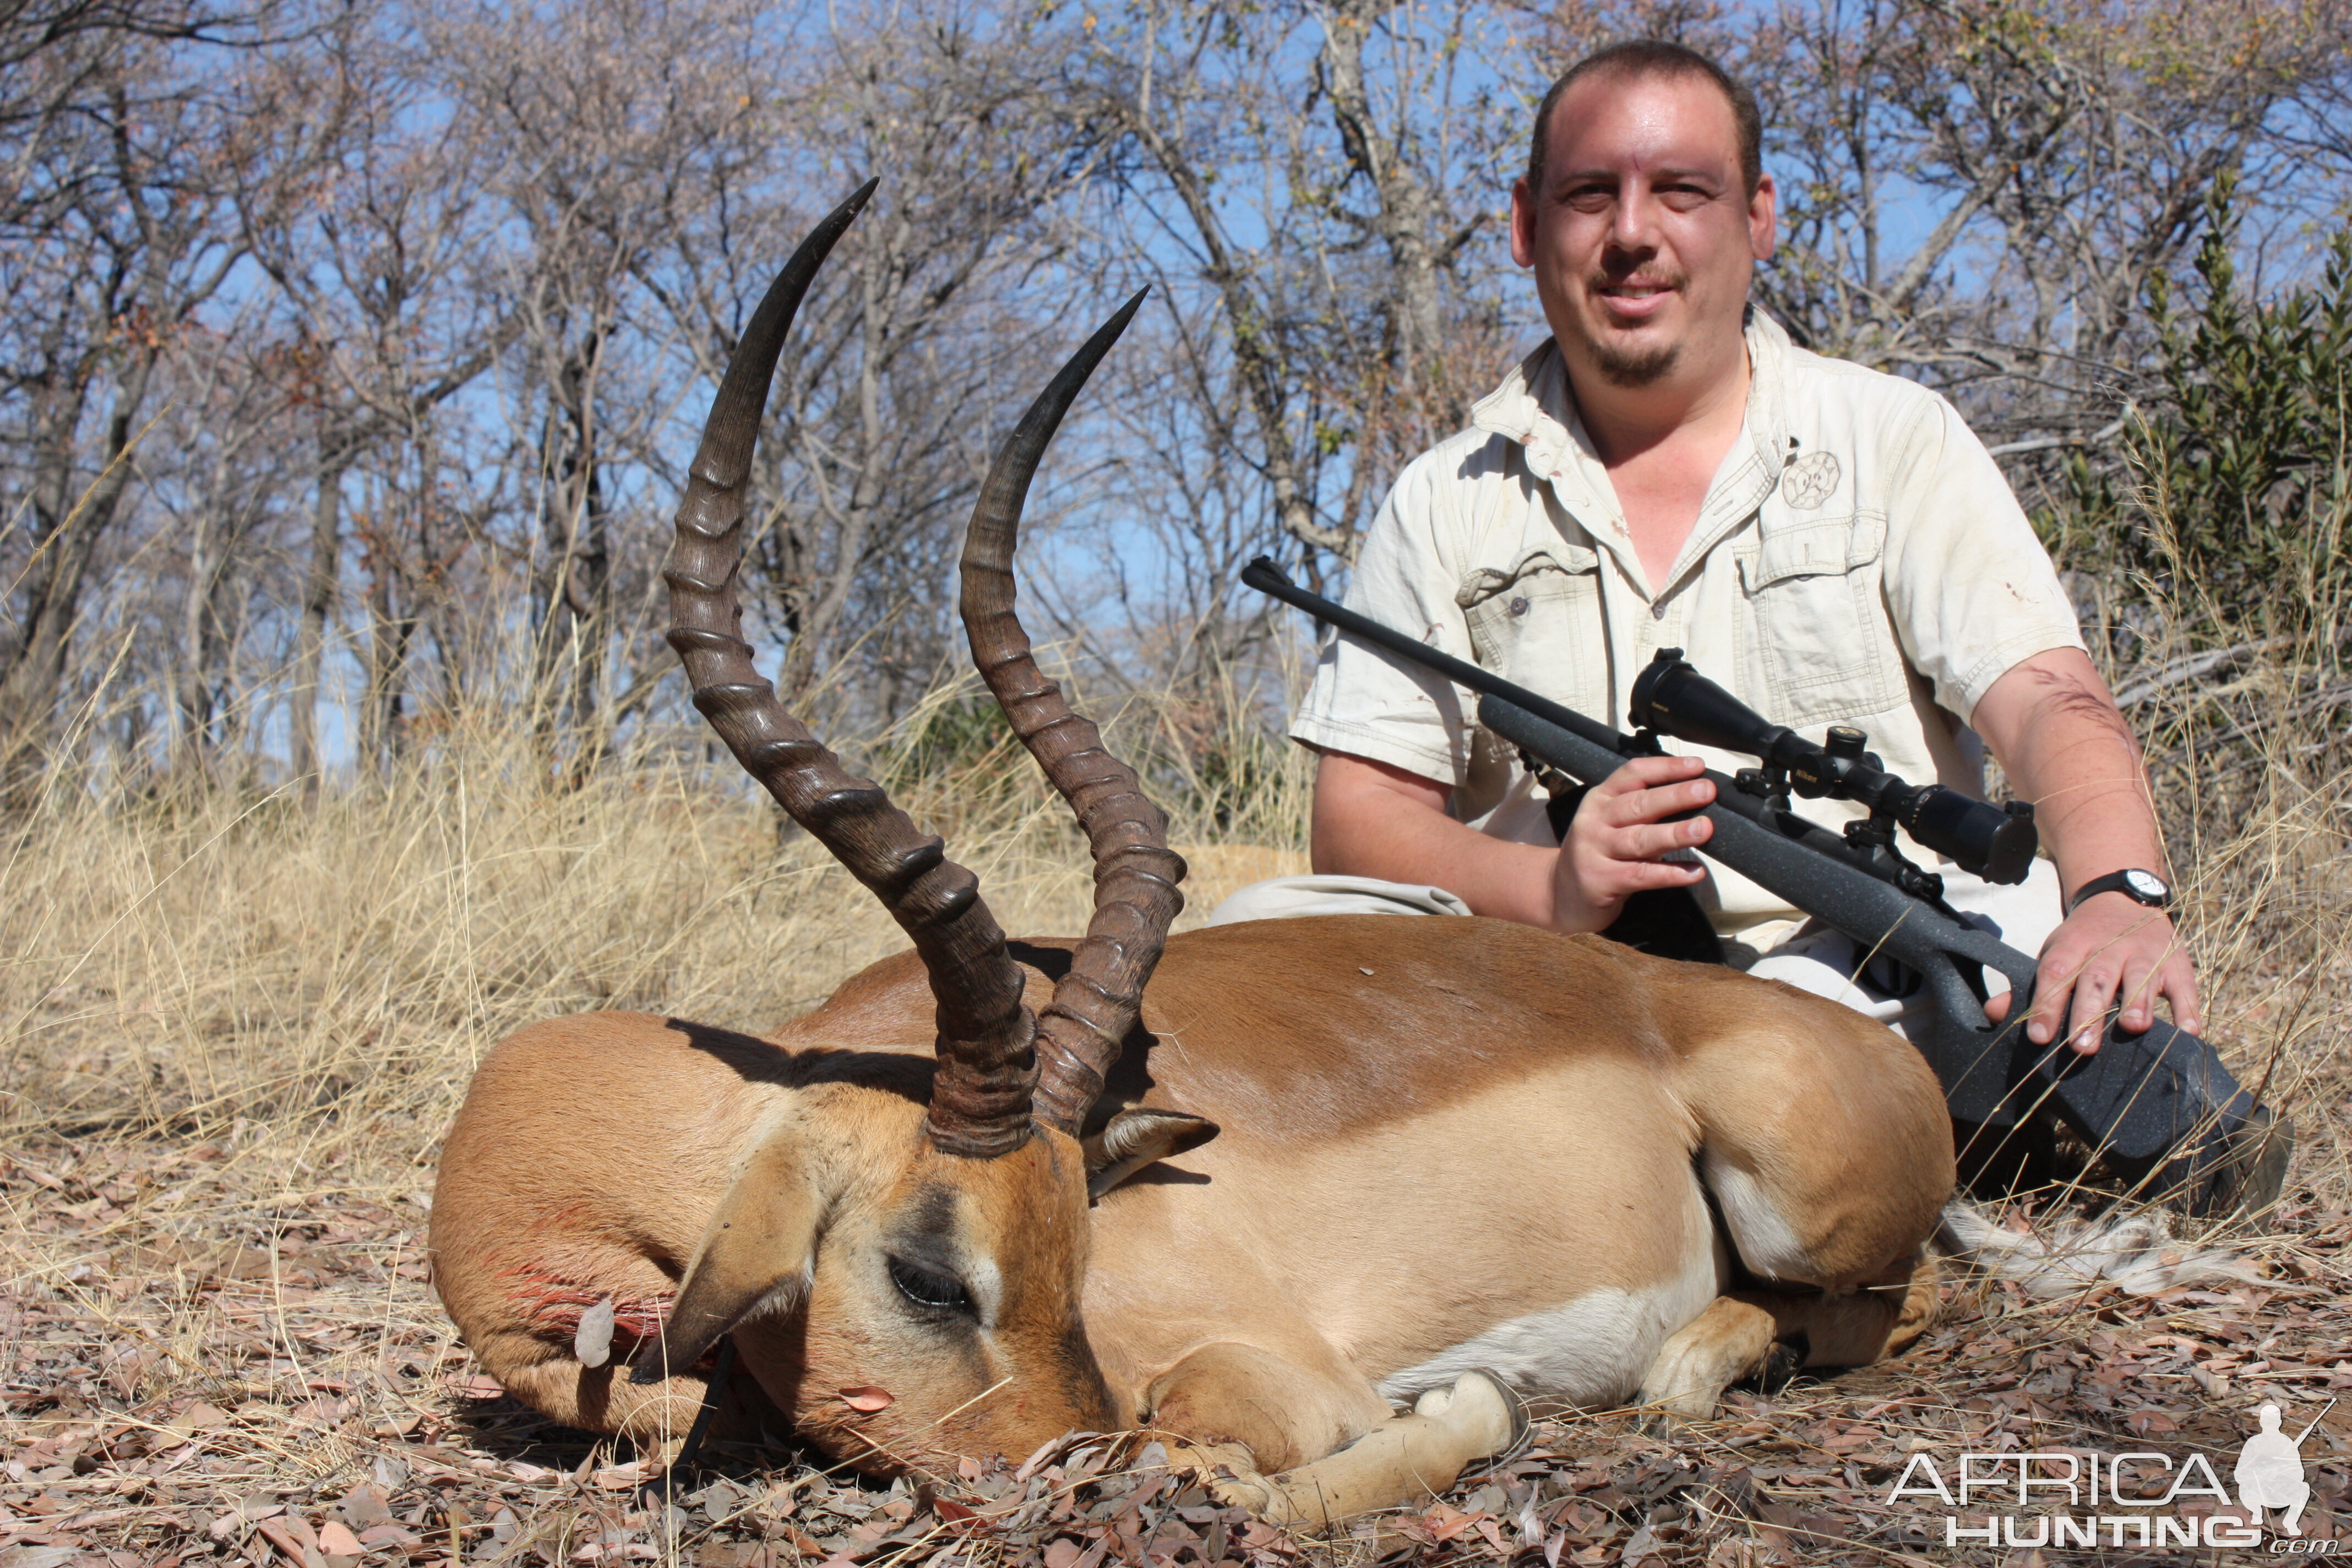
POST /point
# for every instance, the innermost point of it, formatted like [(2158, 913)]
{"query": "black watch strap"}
[(2139, 887)]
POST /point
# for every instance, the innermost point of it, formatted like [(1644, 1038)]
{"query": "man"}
[(2270, 1472), (1831, 544)]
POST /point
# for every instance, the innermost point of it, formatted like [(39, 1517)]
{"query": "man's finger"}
[(2094, 994), (1640, 773), (1637, 807), (1641, 875), (1653, 840), (2177, 984), (2053, 987), (2137, 996)]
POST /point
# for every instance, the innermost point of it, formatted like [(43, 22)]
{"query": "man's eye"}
[(1590, 198), (926, 1288)]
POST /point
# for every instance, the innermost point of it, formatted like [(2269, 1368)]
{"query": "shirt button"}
[(1658, 611), (1519, 607)]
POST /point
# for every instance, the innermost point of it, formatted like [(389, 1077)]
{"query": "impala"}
[(1326, 1202)]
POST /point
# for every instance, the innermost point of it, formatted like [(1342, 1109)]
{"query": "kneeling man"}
[(1830, 544)]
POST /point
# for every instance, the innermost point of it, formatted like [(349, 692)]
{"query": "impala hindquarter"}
[(581, 1172), (1457, 1146)]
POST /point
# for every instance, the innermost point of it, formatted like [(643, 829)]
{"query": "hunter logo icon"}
[(1809, 481), (2270, 1471)]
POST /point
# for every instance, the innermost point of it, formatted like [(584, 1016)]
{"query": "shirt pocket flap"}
[(1565, 559), (1832, 547)]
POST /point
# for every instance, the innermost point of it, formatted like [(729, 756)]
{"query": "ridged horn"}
[(1136, 874), (987, 1065)]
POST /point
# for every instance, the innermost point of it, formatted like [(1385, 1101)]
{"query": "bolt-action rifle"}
[(2158, 1107)]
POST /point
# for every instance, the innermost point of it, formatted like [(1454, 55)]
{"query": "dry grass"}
[(195, 962), (232, 1030)]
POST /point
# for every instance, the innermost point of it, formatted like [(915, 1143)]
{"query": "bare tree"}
[(377, 267), (1312, 192), (98, 298), (916, 343)]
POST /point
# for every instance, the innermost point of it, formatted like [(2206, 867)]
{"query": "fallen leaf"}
[(284, 1539), (364, 1507), (869, 1398), (593, 1343), (614, 1478), (197, 1417), (389, 1535), (475, 1385)]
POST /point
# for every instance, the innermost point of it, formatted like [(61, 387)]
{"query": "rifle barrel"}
[(1267, 577)]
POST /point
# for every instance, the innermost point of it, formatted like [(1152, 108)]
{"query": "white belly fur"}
[(1592, 1349)]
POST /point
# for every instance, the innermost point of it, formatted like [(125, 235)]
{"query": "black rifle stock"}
[(2159, 1107)]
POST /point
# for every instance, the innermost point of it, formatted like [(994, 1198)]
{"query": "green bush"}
[(2231, 513)]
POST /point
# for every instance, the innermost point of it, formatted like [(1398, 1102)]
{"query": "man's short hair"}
[(1637, 58)]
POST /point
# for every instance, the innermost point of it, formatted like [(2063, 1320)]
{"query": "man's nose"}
[(1634, 226)]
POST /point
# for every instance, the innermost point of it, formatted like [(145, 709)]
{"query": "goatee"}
[(1634, 366)]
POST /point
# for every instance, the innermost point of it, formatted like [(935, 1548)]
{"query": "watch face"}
[(2147, 884)]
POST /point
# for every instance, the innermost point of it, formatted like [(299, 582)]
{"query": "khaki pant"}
[(1806, 954)]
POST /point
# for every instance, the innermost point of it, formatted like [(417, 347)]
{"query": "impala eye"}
[(939, 1292)]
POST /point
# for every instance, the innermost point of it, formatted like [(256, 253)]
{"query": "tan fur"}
[(1491, 1123)]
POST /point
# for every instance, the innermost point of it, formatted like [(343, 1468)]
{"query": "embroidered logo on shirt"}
[(1809, 481)]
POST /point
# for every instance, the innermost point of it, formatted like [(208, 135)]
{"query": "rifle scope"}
[(1993, 842)]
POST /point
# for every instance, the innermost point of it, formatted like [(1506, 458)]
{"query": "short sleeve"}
[(1367, 702), (1971, 591)]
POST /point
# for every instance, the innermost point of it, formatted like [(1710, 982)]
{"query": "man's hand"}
[(2111, 951), (1618, 835), (1372, 819)]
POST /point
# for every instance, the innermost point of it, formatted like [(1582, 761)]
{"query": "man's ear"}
[(756, 1257), (1763, 218), (1134, 1139)]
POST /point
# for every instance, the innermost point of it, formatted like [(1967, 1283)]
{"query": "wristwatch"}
[(2139, 887)]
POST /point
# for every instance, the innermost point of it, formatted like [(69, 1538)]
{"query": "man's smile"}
[(1636, 298)]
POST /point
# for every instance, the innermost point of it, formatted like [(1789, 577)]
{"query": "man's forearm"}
[(2054, 727), (1373, 820), (2057, 734)]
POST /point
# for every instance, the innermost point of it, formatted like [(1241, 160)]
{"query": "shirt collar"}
[(1535, 407)]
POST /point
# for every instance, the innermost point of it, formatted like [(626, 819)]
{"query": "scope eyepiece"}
[(1993, 842)]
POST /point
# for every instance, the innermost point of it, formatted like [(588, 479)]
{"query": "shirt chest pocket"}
[(1824, 642), (1539, 624)]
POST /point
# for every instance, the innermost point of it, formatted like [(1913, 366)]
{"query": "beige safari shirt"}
[(1859, 560)]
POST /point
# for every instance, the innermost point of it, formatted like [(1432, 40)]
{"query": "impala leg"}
[(1731, 1340), (1743, 1335), (1878, 1321), (603, 1399), (1404, 1459)]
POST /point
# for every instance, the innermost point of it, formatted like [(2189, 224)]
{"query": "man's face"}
[(1644, 237)]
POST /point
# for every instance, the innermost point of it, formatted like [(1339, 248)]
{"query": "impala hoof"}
[(1662, 1425), (1480, 1400), (1252, 1495)]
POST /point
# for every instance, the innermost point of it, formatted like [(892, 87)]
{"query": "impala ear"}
[(757, 1257), (1134, 1139)]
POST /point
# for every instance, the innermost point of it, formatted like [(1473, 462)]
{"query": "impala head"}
[(901, 1262)]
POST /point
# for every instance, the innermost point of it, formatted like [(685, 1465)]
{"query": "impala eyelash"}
[(931, 1292)]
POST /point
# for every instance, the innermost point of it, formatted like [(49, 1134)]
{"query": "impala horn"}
[(981, 1094), (1136, 874)]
